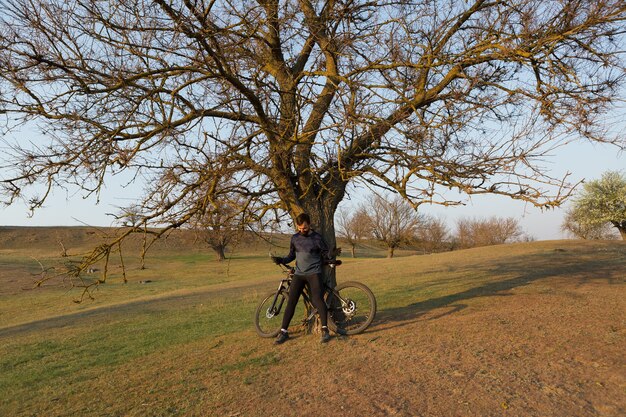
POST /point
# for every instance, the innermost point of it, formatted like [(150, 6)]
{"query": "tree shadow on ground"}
[(571, 267)]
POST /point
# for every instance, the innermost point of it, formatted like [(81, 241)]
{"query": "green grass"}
[(53, 350), (32, 365), (78, 355), (167, 275)]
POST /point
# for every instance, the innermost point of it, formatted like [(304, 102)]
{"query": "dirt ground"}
[(548, 340), (540, 345)]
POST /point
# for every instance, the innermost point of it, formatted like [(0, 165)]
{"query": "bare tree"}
[(130, 216), (353, 227), (503, 230), (433, 234), (299, 99), (219, 227), (393, 222), (485, 232)]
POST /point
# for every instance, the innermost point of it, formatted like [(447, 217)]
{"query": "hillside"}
[(79, 239), (533, 329), (48, 240)]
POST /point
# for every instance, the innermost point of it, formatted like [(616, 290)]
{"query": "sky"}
[(583, 160)]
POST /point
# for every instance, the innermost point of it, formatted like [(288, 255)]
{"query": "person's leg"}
[(316, 287), (295, 289)]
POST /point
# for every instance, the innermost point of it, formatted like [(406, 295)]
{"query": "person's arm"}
[(324, 251), (292, 253)]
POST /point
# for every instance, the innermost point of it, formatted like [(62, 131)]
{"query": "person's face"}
[(304, 228)]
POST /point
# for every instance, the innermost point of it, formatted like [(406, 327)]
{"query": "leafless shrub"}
[(393, 222), (433, 235), (353, 227), (484, 232)]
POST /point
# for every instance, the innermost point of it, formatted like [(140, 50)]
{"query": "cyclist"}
[(310, 251)]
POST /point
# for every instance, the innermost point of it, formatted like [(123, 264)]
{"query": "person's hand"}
[(333, 263), (277, 260)]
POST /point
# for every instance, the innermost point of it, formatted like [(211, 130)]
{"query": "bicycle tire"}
[(355, 312), (268, 323)]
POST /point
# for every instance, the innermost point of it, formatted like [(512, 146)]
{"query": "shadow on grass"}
[(571, 267)]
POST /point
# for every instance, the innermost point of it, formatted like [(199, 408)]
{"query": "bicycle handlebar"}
[(331, 263)]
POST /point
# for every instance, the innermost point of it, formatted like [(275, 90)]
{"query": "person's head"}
[(303, 223)]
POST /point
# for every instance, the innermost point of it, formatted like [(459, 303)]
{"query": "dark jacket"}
[(309, 251)]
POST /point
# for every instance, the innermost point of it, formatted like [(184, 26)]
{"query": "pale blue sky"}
[(583, 160)]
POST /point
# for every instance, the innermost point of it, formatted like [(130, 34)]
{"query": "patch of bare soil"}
[(545, 340), (546, 343)]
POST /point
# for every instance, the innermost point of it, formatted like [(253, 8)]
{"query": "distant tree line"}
[(394, 223), (598, 212), (391, 222)]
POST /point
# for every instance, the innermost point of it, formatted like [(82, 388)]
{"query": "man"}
[(310, 251)]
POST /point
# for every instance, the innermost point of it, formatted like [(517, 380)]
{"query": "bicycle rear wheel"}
[(351, 309), (269, 314)]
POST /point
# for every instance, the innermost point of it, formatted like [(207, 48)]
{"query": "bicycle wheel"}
[(269, 314), (351, 309)]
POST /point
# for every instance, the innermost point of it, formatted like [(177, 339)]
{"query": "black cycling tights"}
[(315, 290)]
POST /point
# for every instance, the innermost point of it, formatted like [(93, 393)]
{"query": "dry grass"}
[(528, 329)]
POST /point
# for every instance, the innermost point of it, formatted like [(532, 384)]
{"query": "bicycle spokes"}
[(268, 316), (275, 308), (352, 307), (271, 312), (348, 307)]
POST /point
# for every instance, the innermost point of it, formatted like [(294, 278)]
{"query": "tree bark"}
[(219, 252), (621, 227)]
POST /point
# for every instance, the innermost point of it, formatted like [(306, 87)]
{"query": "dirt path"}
[(546, 343), (162, 301)]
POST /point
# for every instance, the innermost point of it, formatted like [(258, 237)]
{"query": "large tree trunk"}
[(219, 252), (390, 251), (322, 212), (621, 227)]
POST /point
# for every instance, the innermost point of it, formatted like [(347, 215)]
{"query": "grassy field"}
[(521, 322)]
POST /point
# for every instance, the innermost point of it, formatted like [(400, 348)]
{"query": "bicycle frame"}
[(284, 286), (274, 309), (344, 306)]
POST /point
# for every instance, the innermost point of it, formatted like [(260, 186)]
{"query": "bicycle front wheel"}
[(269, 314), (351, 308)]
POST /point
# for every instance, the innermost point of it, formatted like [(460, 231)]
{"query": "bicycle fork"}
[(277, 304)]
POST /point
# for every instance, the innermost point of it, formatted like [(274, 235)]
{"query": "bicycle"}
[(351, 306)]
